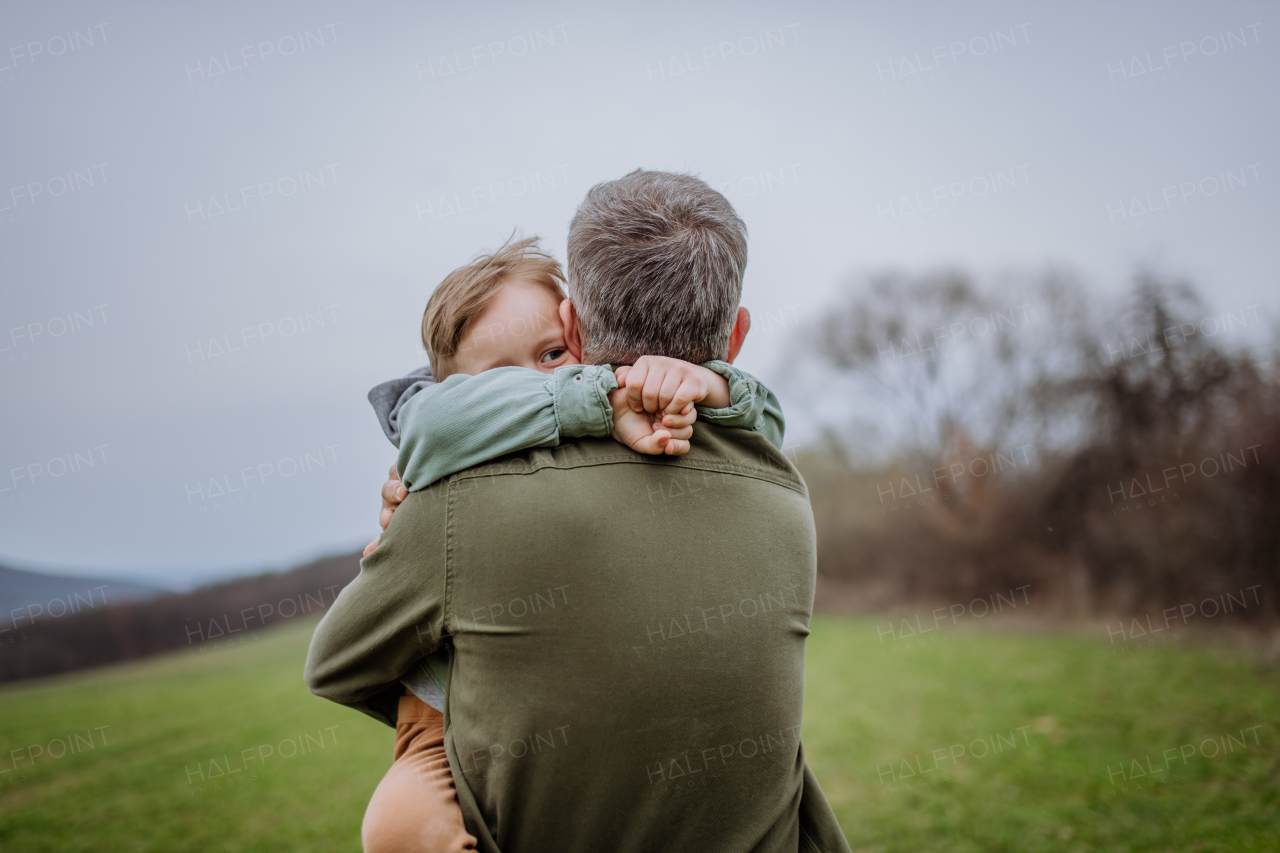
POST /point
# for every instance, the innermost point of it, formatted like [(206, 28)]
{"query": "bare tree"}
[(1156, 469)]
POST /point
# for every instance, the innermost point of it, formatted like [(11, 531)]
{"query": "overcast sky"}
[(290, 181)]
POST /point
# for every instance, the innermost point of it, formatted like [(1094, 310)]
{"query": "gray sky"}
[(290, 182)]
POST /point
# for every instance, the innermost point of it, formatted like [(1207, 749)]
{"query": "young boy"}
[(503, 380)]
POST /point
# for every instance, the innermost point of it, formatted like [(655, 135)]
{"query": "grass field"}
[(1044, 731)]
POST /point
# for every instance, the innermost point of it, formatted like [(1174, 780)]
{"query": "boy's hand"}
[(393, 492), (659, 384), (643, 433)]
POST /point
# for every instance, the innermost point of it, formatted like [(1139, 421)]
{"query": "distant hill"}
[(61, 594), (42, 641)]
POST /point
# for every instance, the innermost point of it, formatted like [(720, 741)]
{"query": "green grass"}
[(1074, 709), (1089, 713)]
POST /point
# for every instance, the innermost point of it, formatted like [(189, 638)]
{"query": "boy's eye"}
[(552, 355)]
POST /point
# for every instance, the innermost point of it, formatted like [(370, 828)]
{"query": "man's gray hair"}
[(655, 268)]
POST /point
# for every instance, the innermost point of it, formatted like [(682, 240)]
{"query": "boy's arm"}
[(751, 405), (466, 420)]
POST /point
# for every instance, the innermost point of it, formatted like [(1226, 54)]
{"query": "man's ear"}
[(741, 325), (572, 331)]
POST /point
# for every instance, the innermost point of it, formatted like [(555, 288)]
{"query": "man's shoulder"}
[(716, 449)]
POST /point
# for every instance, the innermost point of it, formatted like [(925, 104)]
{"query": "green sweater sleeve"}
[(466, 420), (752, 406)]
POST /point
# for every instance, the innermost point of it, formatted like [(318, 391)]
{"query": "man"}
[(628, 631)]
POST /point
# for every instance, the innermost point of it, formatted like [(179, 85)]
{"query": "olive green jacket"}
[(648, 614)]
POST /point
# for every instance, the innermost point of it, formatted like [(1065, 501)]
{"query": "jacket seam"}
[(603, 410), (596, 461), (446, 617), (552, 386), (809, 844)]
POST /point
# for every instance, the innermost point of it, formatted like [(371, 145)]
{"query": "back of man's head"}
[(655, 268)]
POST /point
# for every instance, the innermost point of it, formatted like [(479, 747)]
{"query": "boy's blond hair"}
[(467, 291)]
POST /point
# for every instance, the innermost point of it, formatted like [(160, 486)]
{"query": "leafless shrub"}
[(1115, 456), (197, 621)]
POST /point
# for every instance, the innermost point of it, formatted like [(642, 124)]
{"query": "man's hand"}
[(643, 433), (659, 384), (393, 492)]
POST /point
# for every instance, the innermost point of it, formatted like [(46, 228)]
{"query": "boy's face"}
[(520, 328)]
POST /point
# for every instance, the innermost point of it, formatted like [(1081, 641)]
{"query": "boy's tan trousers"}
[(415, 807)]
